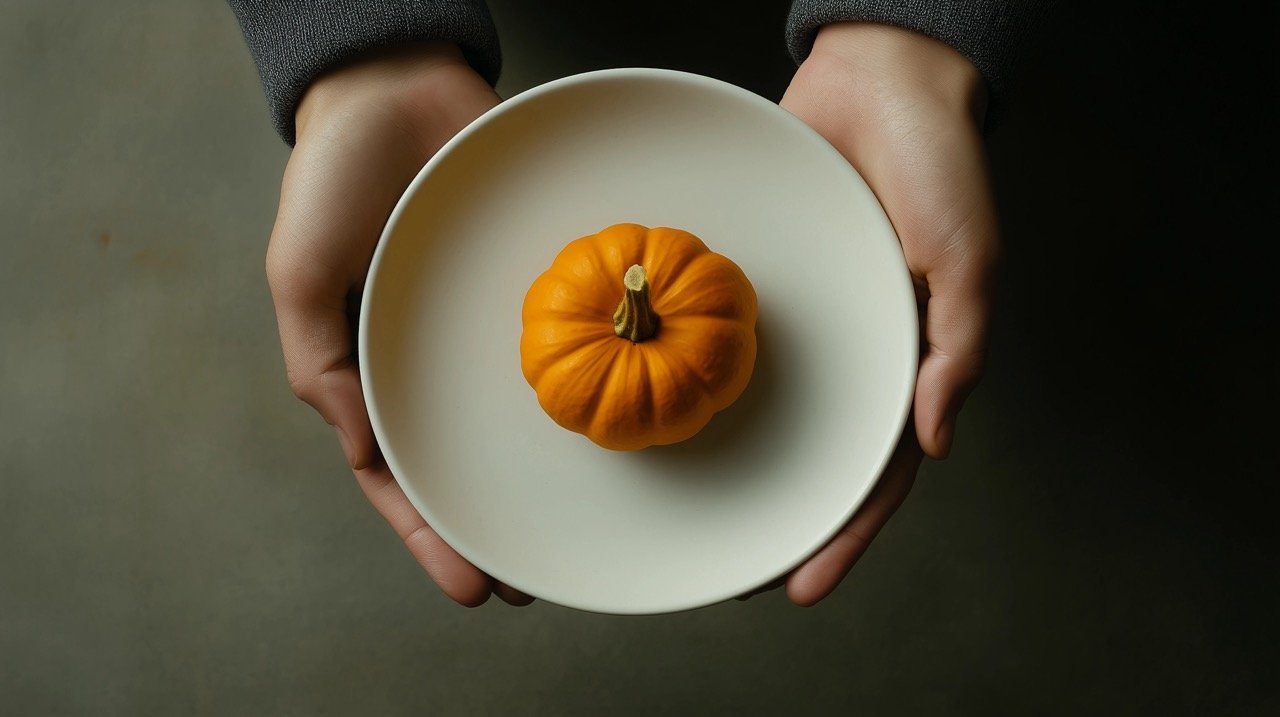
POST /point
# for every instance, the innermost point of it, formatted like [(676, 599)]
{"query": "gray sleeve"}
[(292, 41), (988, 32)]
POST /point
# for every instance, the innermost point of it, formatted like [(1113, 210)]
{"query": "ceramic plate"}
[(772, 478)]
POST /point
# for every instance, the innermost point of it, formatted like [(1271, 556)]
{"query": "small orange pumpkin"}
[(636, 337)]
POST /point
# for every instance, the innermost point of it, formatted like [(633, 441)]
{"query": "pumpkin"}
[(636, 337)]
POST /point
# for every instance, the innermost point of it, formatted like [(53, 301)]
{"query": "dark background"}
[(178, 536)]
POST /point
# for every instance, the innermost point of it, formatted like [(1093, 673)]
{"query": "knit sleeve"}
[(293, 41), (988, 32)]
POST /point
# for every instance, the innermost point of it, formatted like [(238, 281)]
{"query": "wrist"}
[(886, 65), (420, 85)]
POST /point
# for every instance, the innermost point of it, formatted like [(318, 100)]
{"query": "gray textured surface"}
[(178, 535)]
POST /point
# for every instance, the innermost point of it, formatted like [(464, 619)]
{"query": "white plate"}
[(772, 478)]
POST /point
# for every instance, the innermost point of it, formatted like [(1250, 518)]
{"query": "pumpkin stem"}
[(635, 319)]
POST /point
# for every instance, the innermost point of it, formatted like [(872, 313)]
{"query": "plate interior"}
[(668, 528)]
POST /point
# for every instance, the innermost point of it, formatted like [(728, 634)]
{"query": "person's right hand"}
[(363, 132)]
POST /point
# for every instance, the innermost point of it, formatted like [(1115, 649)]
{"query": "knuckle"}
[(304, 388), (419, 536), (276, 266)]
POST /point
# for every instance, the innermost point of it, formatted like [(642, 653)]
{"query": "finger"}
[(956, 324), (334, 200), (457, 578), (312, 291), (953, 363), (316, 338), (510, 595), (820, 574), (954, 247)]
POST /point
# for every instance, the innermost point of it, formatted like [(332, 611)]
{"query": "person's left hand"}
[(906, 111)]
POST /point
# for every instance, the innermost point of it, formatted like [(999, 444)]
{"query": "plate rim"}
[(506, 106)]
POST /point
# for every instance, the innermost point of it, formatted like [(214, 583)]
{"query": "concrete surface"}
[(178, 535)]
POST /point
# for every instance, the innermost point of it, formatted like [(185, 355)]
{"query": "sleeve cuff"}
[(988, 32), (293, 41)]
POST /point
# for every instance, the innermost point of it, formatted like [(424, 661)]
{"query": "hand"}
[(363, 132), (906, 111)]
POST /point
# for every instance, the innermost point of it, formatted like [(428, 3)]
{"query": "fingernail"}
[(347, 448)]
